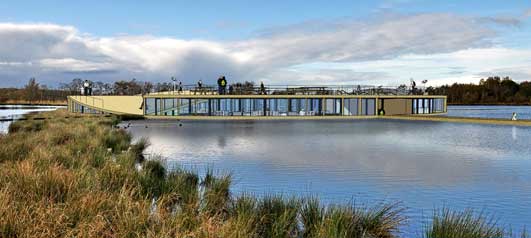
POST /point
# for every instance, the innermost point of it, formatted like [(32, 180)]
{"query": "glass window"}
[(183, 106), (200, 106), (351, 107), (258, 107), (282, 106), (371, 105), (333, 106), (169, 107), (368, 106), (149, 106)]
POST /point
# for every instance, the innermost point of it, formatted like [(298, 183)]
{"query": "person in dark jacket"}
[(262, 88), (222, 85), (199, 87)]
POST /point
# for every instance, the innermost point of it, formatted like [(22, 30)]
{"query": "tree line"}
[(492, 90), (35, 93)]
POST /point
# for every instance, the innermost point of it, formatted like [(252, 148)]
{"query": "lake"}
[(503, 112), (17, 111), (423, 165)]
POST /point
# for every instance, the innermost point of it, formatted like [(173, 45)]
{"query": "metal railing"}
[(90, 101), (245, 89)]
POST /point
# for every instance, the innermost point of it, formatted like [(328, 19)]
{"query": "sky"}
[(295, 42)]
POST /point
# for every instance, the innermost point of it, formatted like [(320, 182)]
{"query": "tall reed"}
[(79, 177)]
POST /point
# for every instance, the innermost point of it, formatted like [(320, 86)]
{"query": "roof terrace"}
[(250, 89)]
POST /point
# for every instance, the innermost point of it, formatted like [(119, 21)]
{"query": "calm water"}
[(506, 112), (424, 165), (16, 111)]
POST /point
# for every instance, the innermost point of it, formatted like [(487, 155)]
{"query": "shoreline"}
[(481, 104), (52, 168), (43, 103)]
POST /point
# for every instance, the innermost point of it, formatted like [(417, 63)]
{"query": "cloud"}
[(527, 13), (55, 53), (465, 66), (504, 20), (353, 41)]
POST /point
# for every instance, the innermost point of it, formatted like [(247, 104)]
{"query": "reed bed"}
[(82, 177)]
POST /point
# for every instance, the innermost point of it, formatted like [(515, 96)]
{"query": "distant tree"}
[(31, 90), (492, 90), (147, 88), (127, 87), (163, 87)]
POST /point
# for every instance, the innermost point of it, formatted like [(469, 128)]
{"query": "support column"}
[(209, 107), (190, 106), (360, 110), (265, 106), (323, 106), (342, 108)]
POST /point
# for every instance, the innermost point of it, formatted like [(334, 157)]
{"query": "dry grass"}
[(39, 102), (77, 177)]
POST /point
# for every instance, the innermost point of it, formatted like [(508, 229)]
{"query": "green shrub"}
[(278, 216), (451, 224), (311, 217), (117, 140), (153, 178), (216, 194)]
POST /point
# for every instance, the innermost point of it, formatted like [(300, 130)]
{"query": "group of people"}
[(222, 87)]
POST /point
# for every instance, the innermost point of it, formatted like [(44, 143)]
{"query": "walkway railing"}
[(90, 101), (248, 89)]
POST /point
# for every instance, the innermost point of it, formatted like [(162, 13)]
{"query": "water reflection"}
[(427, 155), (13, 112), (423, 164)]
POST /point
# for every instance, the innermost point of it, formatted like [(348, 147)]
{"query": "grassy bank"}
[(37, 103), (80, 177)]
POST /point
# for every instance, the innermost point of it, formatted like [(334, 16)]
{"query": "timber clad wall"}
[(397, 107)]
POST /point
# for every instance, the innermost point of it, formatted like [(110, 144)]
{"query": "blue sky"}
[(280, 42)]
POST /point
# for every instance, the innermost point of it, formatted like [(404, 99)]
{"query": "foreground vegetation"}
[(81, 177)]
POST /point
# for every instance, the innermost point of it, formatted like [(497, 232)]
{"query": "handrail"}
[(251, 89), (87, 99)]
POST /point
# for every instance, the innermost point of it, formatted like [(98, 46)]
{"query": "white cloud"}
[(75, 66), (282, 55), (352, 41), (527, 13), (465, 66)]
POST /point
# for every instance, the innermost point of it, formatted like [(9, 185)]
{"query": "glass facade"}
[(427, 105), (350, 107), (259, 106), (83, 109), (368, 106), (268, 106)]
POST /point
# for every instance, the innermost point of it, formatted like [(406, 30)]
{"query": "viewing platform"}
[(244, 101)]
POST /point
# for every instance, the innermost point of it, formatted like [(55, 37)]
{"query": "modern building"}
[(274, 103)]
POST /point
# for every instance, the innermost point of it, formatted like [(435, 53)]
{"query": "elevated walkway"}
[(119, 105)]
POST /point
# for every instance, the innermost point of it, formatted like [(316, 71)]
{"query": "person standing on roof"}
[(222, 85), (200, 86), (262, 88)]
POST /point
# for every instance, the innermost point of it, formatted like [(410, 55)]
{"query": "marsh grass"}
[(453, 224), (78, 178)]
